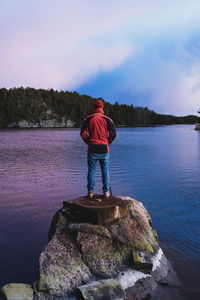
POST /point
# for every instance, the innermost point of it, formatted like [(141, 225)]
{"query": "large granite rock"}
[(99, 241)]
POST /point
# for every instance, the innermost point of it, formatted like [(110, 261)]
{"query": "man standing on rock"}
[(94, 132)]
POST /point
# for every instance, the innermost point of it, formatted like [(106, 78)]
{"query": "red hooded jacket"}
[(98, 131)]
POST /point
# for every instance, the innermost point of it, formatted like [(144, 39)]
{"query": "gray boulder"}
[(109, 242), (16, 291)]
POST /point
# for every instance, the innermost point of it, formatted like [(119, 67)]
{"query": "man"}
[(94, 132)]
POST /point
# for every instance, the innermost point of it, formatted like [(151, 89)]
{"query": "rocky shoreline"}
[(103, 250), (46, 123)]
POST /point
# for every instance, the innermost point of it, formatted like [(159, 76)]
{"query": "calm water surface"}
[(40, 168)]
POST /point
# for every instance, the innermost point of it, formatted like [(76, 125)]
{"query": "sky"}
[(145, 53)]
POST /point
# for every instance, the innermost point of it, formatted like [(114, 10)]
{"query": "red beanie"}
[(98, 104)]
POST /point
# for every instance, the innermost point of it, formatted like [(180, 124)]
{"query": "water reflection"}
[(159, 166)]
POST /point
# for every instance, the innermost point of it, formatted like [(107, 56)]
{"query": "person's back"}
[(98, 131)]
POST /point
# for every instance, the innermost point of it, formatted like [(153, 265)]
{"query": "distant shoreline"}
[(77, 127), (29, 107)]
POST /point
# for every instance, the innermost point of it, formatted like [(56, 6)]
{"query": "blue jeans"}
[(103, 159)]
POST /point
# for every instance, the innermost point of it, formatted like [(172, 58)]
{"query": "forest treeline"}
[(35, 105)]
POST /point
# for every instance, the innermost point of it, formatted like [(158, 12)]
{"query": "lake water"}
[(40, 168)]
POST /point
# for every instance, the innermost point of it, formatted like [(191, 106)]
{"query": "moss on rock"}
[(103, 257), (155, 235), (136, 257), (103, 289), (149, 218), (142, 245)]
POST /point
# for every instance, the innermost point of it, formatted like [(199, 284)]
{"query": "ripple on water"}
[(159, 166)]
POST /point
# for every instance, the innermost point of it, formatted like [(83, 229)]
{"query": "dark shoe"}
[(90, 195)]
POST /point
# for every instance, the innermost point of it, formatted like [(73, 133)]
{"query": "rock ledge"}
[(100, 249)]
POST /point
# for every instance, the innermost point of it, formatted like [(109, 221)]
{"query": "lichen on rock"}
[(103, 289), (61, 266)]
